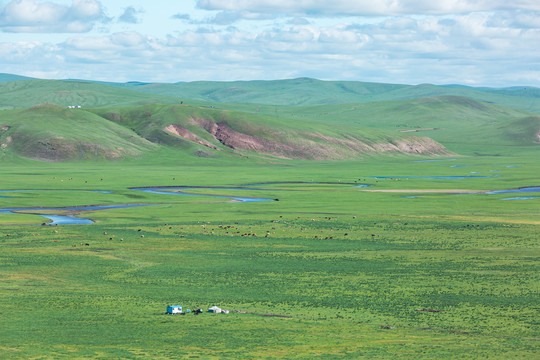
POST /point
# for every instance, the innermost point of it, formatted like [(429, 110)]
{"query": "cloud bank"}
[(450, 41), (31, 16)]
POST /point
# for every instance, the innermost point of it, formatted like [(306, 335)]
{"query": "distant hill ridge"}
[(303, 92), (255, 119)]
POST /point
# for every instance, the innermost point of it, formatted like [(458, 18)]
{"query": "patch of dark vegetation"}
[(134, 196), (264, 315)]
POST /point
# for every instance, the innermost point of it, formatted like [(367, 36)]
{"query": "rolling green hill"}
[(291, 92), (331, 132), (11, 77), (249, 134), (463, 125), (27, 93), (54, 133), (306, 91), (459, 123)]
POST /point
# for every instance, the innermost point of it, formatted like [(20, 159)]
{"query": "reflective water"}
[(71, 220), (522, 198), (66, 219), (527, 189), (167, 191), (433, 177), (178, 190)]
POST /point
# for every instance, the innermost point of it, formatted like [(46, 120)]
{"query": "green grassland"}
[(54, 133), (27, 93), (309, 92), (331, 270)]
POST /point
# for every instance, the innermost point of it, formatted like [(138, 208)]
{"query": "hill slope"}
[(27, 93), (248, 134), (53, 133), (11, 77), (456, 122), (291, 92), (324, 132), (306, 91)]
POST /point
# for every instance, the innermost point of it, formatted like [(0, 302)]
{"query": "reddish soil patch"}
[(186, 134)]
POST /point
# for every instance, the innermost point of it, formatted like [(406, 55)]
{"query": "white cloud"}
[(494, 48), (130, 15), (31, 16), (128, 39), (181, 17), (367, 7)]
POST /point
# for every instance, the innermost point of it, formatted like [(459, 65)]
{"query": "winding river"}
[(165, 190), (181, 190)]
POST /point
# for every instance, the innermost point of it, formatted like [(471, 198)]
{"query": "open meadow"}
[(328, 271), (372, 255)]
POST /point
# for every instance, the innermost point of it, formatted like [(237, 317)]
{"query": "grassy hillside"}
[(462, 124), (331, 132), (322, 132), (293, 92), (28, 93), (12, 77), (306, 91), (248, 134), (53, 133)]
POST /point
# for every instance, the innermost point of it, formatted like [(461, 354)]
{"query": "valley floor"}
[(331, 270)]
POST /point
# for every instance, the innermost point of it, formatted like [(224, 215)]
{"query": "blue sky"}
[(471, 42)]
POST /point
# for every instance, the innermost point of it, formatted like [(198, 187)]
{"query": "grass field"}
[(409, 267), (346, 270)]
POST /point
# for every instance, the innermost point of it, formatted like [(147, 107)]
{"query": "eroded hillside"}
[(248, 135)]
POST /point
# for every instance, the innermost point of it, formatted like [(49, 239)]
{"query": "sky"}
[(493, 43)]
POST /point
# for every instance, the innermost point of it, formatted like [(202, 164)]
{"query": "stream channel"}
[(179, 190)]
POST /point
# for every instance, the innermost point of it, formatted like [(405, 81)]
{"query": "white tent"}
[(174, 309), (215, 310)]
